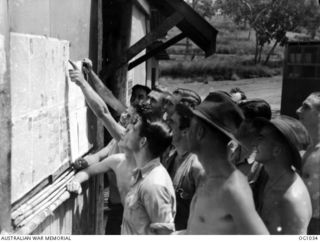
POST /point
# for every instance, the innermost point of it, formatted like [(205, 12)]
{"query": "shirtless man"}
[(147, 192), (116, 130), (285, 205), (223, 203), (309, 115)]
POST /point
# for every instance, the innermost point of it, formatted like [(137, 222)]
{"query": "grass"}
[(233, 59), (218, 68)]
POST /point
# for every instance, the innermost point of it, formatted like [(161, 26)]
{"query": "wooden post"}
[(117, 21), (5, 122), (96, 39)]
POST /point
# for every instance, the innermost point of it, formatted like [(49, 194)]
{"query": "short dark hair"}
[(138, 86), (238, 90), (154, 129), (254, 108), (185, 115), (188, 96)]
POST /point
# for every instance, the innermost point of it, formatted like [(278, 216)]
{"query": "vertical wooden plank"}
[(116, 40), (99, 138), (5, 121)]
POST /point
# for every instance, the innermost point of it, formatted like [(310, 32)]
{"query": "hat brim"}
[(297, 160), (200, 115)]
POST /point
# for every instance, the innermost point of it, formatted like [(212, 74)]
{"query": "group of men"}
[(180, 165)]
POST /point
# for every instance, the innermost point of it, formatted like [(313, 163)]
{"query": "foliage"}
[(311, 20), (271, 19), (218, 68), (205, 8)]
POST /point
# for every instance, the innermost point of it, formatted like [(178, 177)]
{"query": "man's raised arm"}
[(104, 92), (96, 104)]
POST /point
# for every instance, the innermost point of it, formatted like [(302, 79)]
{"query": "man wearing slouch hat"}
[(283, 202), (223, 202)]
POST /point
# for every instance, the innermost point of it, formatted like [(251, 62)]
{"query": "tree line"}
[(270, 19)]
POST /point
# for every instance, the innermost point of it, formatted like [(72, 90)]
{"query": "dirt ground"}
[(268, 89)]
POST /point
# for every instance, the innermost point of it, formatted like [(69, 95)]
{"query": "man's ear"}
[(142, 142), (277, 149), (233, 151)]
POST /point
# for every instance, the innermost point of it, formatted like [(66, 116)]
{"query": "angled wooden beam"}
[(135, 49), (156, 50), (168, 24), (192, 17), (193, 25)]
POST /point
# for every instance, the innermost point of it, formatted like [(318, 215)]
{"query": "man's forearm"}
[(81, 176), (101, 111), (96, 104), (106, 94), (103, 153)]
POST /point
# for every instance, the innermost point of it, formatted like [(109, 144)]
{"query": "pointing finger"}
[(73, 65)]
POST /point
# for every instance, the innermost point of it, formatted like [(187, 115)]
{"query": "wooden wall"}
[(80, 23), (76, 21), (5, 125)]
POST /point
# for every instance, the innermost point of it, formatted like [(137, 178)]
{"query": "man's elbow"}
[(102, 112)]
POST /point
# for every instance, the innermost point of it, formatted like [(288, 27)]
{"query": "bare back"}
[(224, 206)]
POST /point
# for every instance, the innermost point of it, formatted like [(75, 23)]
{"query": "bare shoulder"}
[(296, 202), (118, 157), (297, 194), (235, 182), (196, 165), (236, 189), (313, 155), (115, 160)]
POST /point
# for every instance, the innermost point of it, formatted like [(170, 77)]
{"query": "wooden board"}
[(49, 113)]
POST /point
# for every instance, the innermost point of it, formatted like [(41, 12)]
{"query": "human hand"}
[(76, 75), (86, 65), (80, 163), (74, 187)]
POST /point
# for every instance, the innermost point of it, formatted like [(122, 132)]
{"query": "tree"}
[(271, 19), (311, 21), (205, 8)]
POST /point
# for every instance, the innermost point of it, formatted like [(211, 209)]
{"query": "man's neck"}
[(216, 163), (276, 168), (314, 133), (181, 150), (142, 158)]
